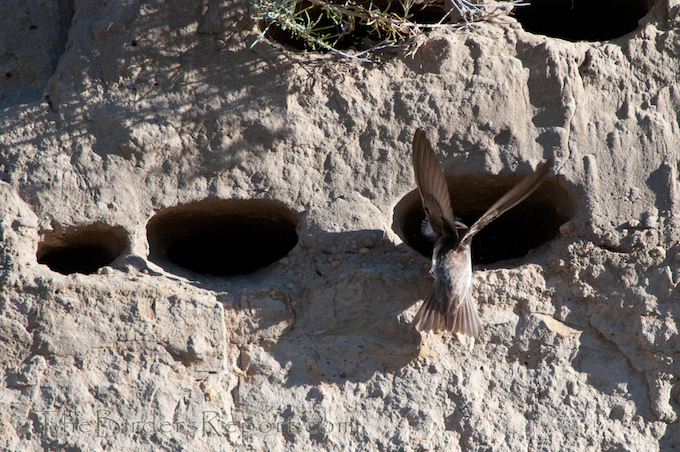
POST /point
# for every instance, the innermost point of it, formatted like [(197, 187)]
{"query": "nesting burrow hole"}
[(343, 36), (83, 249), (582, 20), (534, 221), (222, 237)]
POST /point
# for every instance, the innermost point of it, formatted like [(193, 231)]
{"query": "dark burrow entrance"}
[(582, 20), (341, 24), (222, 237), (531, 223), (83, 249)]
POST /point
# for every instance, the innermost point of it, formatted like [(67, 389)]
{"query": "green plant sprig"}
[(389, 27)]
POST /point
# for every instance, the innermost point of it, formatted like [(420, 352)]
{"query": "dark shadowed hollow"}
[(534, 221), (83, 249), (362, 35), (582, 20), (222, 237)]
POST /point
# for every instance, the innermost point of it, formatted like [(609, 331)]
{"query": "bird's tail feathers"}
[(429, 316), (465, 320), (432, 317)]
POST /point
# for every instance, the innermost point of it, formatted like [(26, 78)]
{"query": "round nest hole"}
[(222, 237), (334, 29), (83, 249), (582, 20), (534, 221)]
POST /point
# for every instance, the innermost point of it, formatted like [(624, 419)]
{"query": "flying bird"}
[(448, 306)]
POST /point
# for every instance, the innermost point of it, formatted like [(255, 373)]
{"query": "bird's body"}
[(449, 306)]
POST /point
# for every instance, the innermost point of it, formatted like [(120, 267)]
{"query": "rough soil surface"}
[(114, 111)]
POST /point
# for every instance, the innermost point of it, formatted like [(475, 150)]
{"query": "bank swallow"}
[(448, 306)]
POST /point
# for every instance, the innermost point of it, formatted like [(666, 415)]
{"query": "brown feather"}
[(464, 320), (517, 194), (434, 192), (449, 306)]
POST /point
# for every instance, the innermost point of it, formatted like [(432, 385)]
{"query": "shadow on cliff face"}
[(226, 120), (671, 440), (33, 41), (336, 322), (350, 328), (152, 60), (610, 372)]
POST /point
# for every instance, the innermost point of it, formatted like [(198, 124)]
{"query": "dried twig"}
[(322, 24)]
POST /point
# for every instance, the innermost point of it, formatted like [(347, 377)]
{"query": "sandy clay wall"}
[(208, 246)]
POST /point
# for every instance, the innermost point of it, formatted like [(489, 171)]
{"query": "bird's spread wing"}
[(433, 189), (433, 316), (516, 195)]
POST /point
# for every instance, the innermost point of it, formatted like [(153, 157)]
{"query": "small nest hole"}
[(341, 36), (582, 20), (534, 221), (83, 249), (222, 237)]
